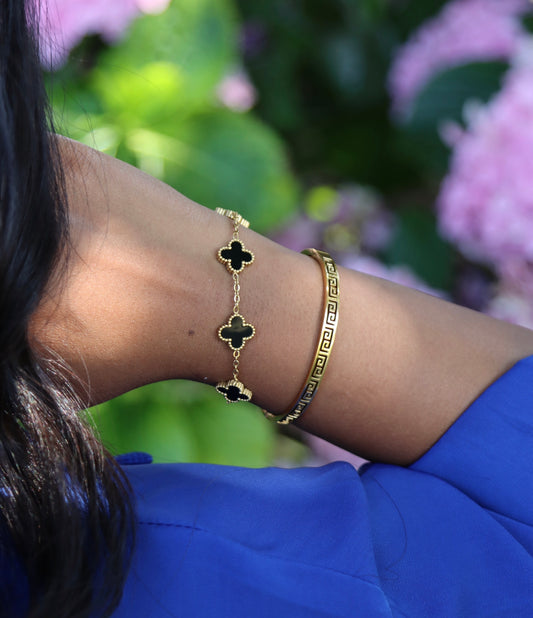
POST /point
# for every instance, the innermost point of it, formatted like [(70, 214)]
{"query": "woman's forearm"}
[(145, 295)]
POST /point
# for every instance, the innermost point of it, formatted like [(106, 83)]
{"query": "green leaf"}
[(416, 243), (178, 57), (147, 97), (444, 97), (148, 419), (226, 159), (188, 422), (233, 434), (345, 63), (322, 203), (527, 22), (199, 37)]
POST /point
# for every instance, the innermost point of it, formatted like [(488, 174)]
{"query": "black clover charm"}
[(236, 332), (235, 256), (233, 391)]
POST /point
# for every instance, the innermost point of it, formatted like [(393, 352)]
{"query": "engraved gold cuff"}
[(325, 342)]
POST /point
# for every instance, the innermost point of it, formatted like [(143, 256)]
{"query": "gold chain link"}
[(236, 300), (236, 293), (236, 354)]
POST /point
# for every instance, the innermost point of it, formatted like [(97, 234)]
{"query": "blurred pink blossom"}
[(377, 231), (358, 219), (514, 308), (301, 233), (516, 277), (325, 452), (64, 23), (237, 92), (464, 31), (486, 201), (400, 274), (473, 287)]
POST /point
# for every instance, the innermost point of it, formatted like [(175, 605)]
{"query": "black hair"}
[(66, 520)]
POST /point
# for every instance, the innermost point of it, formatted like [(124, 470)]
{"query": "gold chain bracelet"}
[(236, 331)]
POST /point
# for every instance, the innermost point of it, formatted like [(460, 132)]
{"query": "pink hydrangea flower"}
[(464, 31), (486, 201), (299, 234), (64, 23), (400, 274)]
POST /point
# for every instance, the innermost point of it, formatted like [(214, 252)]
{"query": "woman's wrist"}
[(144, 293), (135, 278)]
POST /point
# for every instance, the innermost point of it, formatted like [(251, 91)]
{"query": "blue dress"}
[(450, 536)]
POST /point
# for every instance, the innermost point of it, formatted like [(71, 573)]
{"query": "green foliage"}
[(443, 99), (181, 421), (417, 244), (527, 22), (321, 203), (233, 161), (199, 37), (320, 70), (151, 101)]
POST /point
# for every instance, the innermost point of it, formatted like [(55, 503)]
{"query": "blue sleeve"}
[(453, 533), (488, 452), (219, 541)]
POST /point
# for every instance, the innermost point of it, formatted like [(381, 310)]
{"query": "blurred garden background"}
[(395, 134)]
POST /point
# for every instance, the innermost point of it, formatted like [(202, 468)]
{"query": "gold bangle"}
[(235, 331), (326, 340)]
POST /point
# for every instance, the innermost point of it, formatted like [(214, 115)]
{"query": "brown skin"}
[(144, 295)]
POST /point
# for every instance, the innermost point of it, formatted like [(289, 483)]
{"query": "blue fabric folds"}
[(223, 541), (451, 536)]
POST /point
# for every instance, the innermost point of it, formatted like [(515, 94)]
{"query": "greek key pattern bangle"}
[(235, 331), (325, 342)]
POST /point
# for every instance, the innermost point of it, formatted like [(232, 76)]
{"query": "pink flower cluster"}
[(356, 217), (64, 23), (464, 31), (486, 201), (400, 274)]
